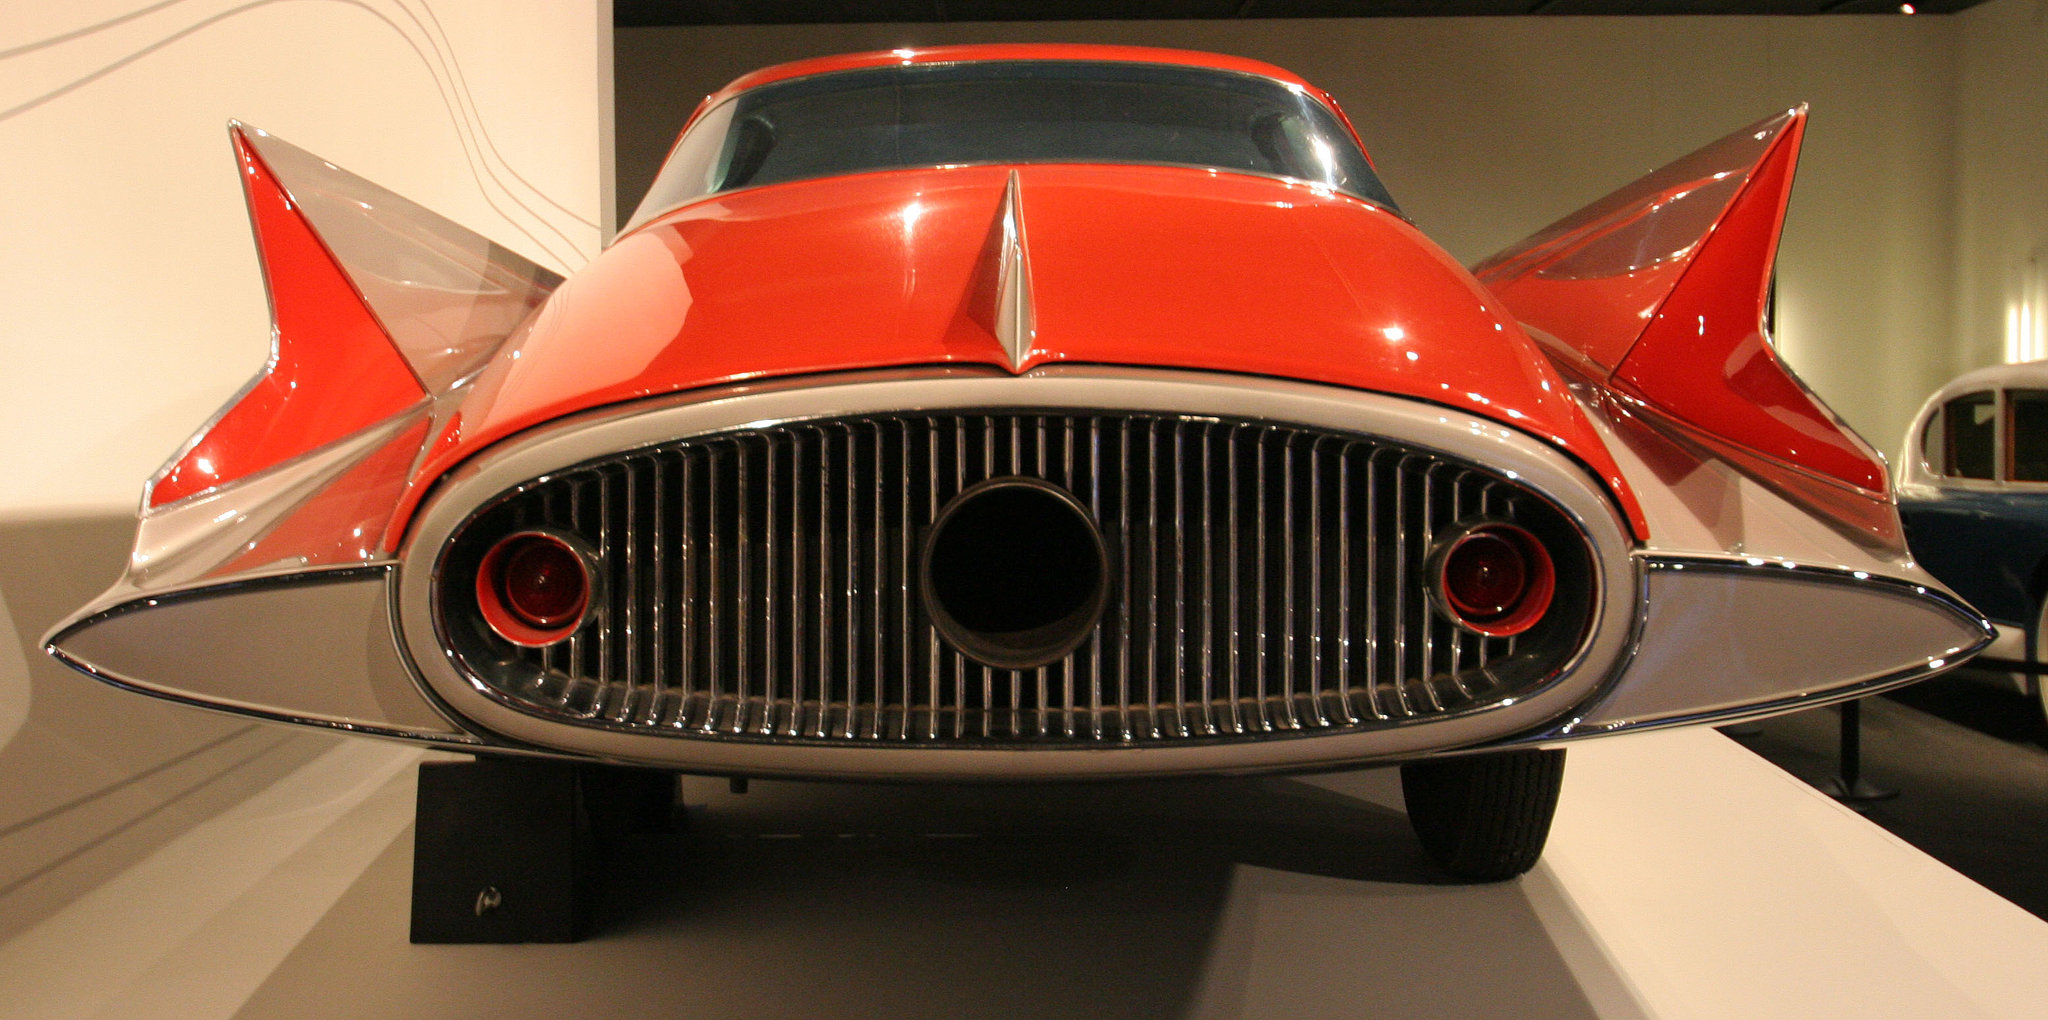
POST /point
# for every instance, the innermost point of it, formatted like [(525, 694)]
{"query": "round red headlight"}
[(1496, 579), (533, 588)]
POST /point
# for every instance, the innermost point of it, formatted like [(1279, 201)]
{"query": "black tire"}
[(2037, 671), (1484, 817)]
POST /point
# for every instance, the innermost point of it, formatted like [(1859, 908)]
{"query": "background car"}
[(1973, 493)]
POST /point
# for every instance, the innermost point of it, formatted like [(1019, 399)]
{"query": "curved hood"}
[(1140, 266)]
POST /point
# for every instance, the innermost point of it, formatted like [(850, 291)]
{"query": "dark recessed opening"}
[(1015, 573)]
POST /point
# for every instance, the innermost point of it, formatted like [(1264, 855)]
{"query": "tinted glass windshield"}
[(1029, 111)]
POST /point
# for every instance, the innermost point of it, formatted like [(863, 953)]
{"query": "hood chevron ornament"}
[(1015, 320)]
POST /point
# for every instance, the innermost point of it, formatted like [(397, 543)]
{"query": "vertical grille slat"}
[(1178, 677), (771, 621), (1258, 584), (1315, 583), (1427, 623), (1456, 640), (738, 606), (682, 666), (1151, 578), (878, 553), (1072, 662), (1234, 635), (1095, 643), (592, 693), (1400, 591), (822, 649), (906, 631), (1265, 579), (1208, 596), (1344, 688), (1123, 541), (850, 591), (714, 605), (1287, 533), (795, 618)]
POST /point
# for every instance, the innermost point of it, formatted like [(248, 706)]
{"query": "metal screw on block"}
[(488, 899)]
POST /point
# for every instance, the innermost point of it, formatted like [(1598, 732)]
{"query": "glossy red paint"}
[(347, 521), (1704, 358), (533, 588), (445, 295), (1497, 579), (333, 371), (1595, 278), (1137, 266), (1676, 451), (1658, 291)]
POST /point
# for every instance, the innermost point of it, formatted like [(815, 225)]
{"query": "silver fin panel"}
[(446, 295)]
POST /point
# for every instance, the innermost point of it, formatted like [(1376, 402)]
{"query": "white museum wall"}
[(1488, 129), (2002, 183), (135, 308)]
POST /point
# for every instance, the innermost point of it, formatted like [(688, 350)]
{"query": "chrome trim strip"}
[(1016, 315), (1422, 426), (1713, 508), (1589, 720), (66, 634), (194, 538)]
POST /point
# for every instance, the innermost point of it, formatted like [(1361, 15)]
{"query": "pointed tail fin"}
[(376, 304), (1658, 291)]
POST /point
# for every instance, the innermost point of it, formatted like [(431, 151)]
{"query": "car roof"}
[(1008, 51), (2024, 375)]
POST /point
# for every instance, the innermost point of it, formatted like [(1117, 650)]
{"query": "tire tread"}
[(1485, 817)]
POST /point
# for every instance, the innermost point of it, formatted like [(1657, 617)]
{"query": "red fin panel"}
[(446, 295), (333, 370), (1595, 278), (1659, 290), (346, 521), (1704, 358)]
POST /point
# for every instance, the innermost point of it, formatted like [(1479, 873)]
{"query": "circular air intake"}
[(533, 588), (1494, 578), (1015, 573)]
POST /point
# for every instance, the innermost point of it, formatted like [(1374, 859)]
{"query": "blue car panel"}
[(1986, 546)]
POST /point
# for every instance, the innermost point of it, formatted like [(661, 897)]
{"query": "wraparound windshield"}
[(1025, 111)]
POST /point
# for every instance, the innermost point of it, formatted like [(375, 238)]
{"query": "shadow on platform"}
[(1217, 897)]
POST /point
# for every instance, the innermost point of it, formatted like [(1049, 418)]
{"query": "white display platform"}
[(1685, 878)]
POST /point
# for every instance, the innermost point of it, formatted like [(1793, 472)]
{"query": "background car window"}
[(2026, 428), (1970, 426)]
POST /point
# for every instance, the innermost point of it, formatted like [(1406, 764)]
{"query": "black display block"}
[(508, 850)]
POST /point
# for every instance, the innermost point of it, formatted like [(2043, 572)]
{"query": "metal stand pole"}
[(1850, 787)]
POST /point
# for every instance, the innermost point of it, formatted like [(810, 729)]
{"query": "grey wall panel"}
[(96, 778)]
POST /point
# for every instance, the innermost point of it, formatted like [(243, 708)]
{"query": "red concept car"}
[(1028, 413)]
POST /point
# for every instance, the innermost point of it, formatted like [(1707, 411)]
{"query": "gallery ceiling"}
[(786, 12)]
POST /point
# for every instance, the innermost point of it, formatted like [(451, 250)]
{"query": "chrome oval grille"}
[(760, 584)]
